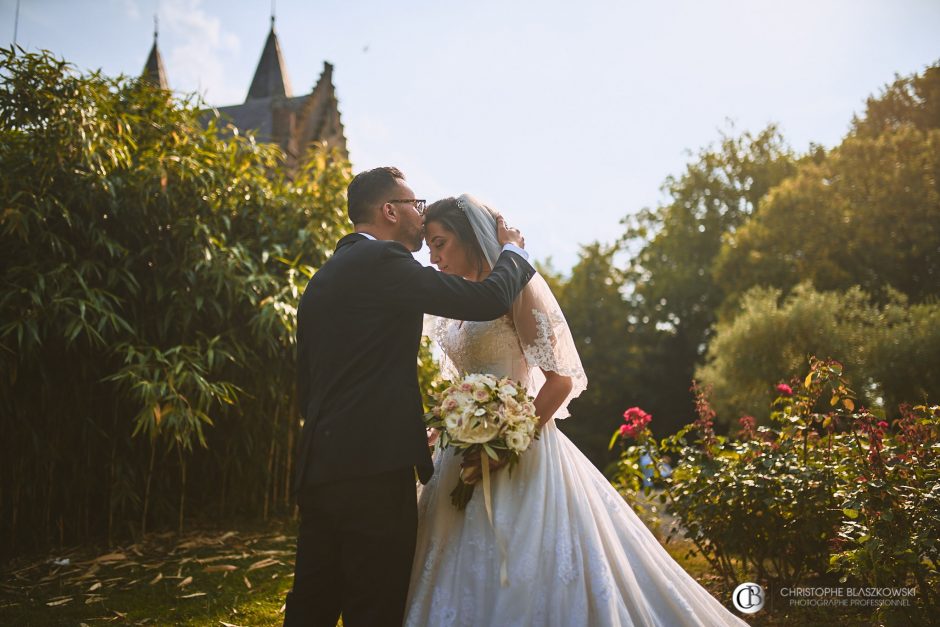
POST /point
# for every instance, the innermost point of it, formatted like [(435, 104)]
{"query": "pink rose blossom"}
[(636, 420)]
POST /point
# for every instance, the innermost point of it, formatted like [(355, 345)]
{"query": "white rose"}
[(452, 423), (463, 400), (508, 389), (477, 430), (457, 422), (512, 417), (512, 404), (517, 441), (475, 380)]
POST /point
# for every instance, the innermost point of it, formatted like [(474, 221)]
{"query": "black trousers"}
[(354, 552)]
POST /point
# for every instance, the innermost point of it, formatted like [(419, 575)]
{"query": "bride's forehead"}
[(435, 229)]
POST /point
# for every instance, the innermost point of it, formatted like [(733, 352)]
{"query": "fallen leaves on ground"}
[(90, 577)]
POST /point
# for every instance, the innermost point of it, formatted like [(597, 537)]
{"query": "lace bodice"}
[(487, 347), (531, 339)]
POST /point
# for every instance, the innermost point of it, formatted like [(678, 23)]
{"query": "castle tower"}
[(275, 115), (270, 110), (271, 75), (154, 71)]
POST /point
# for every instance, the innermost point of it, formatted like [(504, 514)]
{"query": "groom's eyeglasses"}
[(419, 205)]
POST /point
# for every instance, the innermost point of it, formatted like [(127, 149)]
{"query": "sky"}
[(565, 116)]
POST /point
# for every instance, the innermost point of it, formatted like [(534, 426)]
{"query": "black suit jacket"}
[(358, 330)]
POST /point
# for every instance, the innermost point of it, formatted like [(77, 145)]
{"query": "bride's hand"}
[(433, 435), (506, 235), (471, 470)]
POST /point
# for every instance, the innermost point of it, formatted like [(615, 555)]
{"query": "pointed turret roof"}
[(275, 116), (271, 76), (154, 71)]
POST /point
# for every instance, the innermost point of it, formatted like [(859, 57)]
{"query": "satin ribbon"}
[(487, 501)]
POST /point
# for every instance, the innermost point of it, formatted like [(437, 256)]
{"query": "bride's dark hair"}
[(448, 214)]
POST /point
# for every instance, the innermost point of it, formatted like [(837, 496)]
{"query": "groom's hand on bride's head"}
[(506, 235)]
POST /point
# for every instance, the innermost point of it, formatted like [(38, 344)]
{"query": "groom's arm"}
[(414, 287)]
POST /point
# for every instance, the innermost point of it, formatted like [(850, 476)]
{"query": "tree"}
[(595, 311), (678, 242), (908, 101), (749, 212), (891, 351), (904, 354), (867, 213), (670, 290), (149, 275)]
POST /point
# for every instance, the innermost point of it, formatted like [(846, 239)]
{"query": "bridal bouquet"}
[(486, 415)]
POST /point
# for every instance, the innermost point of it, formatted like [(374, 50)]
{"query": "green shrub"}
[(891, 349), (149, 275), (830, 489)]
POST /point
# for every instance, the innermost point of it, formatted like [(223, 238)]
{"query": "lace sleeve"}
[(546, 339)]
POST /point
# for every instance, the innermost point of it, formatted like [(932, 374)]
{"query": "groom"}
[(358, 330)]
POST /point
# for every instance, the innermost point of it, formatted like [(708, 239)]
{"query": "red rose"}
[(636, 420)]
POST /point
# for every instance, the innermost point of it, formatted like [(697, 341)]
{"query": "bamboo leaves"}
[(141, 294)]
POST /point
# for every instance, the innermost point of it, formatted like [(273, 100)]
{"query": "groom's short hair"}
[(368, 189)]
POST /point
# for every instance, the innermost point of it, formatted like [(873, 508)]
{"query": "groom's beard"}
[(418, 242)]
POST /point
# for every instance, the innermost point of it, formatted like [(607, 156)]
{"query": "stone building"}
[(271, 111)]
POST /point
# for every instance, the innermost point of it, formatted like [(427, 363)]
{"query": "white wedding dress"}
[(577, 554)]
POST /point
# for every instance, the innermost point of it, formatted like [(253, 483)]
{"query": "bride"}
[(576, 554)]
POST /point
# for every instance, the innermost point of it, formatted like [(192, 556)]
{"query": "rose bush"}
[(827, 490)]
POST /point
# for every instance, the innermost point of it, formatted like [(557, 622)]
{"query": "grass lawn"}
[(234, 578)]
